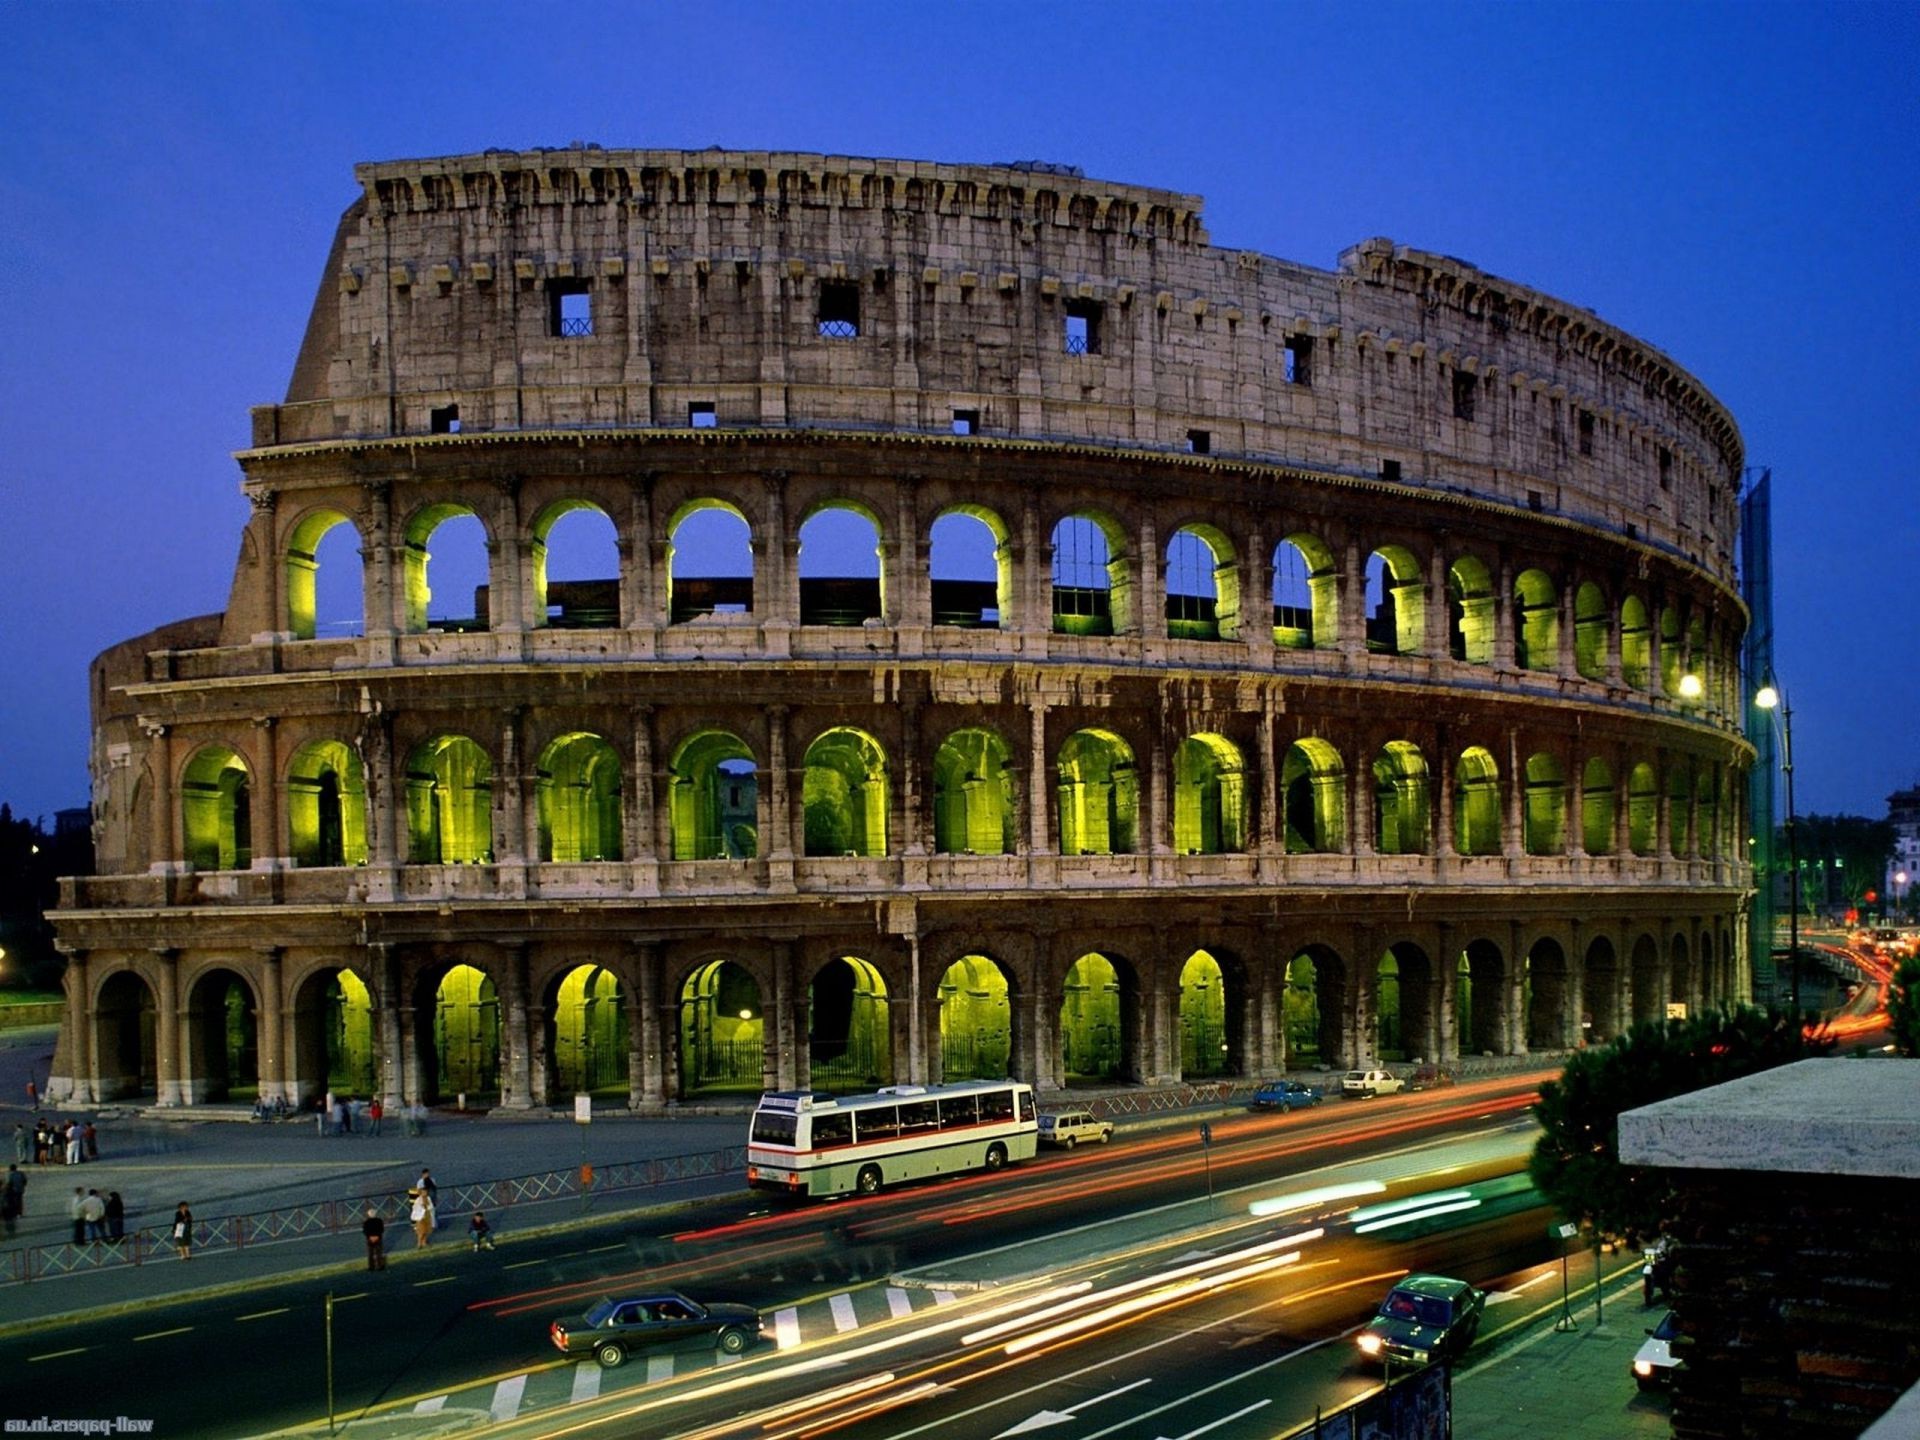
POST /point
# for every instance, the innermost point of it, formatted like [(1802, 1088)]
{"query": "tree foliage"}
[(1903, 1006), (1576, 1162)]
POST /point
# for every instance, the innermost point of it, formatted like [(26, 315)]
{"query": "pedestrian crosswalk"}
[(788, 1327)]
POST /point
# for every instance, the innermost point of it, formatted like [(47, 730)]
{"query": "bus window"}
[(996, 1105), (832, 1129), (919, 1116), (879, 1123), (958, 1110), (770, 1127)]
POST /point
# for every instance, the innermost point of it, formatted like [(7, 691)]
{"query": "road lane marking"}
[(603, 1249), (1042, 1419), (899, 1306), (843, 1317), (443, 1280), (659, 1368), (358, 1295), (162, 1334), (522, 1264), (944, 1297), (1225, 1420), (431, 1407), (586, 1383), (506, 1398), (263, 1314), (57, 1354), (786, 1328)]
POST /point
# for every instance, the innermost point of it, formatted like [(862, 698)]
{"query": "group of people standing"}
[(55, 1143), (423, 1213), (96, 1218)]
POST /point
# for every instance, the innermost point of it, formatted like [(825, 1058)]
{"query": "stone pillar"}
[(1268, 1051), (783, 826), (779, 550), (1148, 602), (516, 1060), (1516, 828), (1663, 810), (383, 609), (1576, 808), (1446, 995), (1434, 644), (383, 780), (912, 822), (81, 1057), (399, 1066), (1361, 805), (172, 1084), (1622, 806), (1162, 1053), (788, 1034), (641, 607), (271, 1023), (1352, 625), (1034, 600), (1038, 770), (507, 570), (1159, 817), (509, 813), (648, 1042), (1443, 808), (165, 836), (642, 844), (1513, 1001), (1567, 661), (1255, 620), (918, 1071), (1504, 603), (1615, 677), (269, 844), (1270, 832)]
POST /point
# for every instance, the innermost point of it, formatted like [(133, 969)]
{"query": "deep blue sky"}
[(1736, 184)]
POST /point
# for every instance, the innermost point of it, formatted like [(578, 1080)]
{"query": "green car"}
[(1425, 1320)]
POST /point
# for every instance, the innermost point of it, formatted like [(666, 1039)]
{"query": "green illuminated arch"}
[(449, 803), (1388, 1032), (1091, 1048), (1476, 803), (1099, 794), (1209, 797), (1699, 659), (1597, 807), (340, 1034), (327, 805), (1204, 1042), (302, 567), (1670, 658), (1313, 786), (1536, 629), (850, 1032), (976, 1021), (1470, 617), (1401, 806), (577, 795), (1679, 789), (973, 795), (1592, 629), (1643, 809), (416, 590), (1398, 624), (846, 794), (1706, 796), (723, 1037), (1302, 1008), (1092, 586), (955, 598), (1206, 603), (1636, 643), (466, 1034), (1545, 824), (216, 810), (589, 1040), (1306, 594), (586, 604), (724, 585), (713, 802)]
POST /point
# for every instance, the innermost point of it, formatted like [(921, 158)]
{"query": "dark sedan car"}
[(656, 1320), (1284, 1095), (1425, 1319)]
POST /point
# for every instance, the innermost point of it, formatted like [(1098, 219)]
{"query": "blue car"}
[(1284, 1095)]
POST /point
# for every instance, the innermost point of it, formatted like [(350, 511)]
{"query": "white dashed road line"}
[(899, 1304), (586, 1383), (431, 1407), (506, 1398), (843, 1317), (786, 1328)]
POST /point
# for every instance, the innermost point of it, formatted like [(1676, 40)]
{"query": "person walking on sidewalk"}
[(116, 1216), (375, 1229), (183, 1230), (422, 1216)]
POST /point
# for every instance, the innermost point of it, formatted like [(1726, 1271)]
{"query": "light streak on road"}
[(1309, 1199)]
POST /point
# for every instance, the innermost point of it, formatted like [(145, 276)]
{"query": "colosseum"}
[(931, 621)]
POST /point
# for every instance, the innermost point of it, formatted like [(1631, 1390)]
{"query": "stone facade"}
[(1439, 731)]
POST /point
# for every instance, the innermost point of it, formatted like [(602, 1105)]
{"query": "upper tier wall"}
[(703, 275)]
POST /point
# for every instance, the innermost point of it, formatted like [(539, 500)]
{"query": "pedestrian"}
[(330, 1115), (433, 1194), (22, 1145), (91, 1138), (346, 1114), (76, 1212), (93, 1210), (33, 1093), (479, 1232), (116, 1216), (374, 1112), (9, 1208), (183, 1230), (39, 1139), (17, 1188), (421, 1214), (74, 1141), (375, 1229)]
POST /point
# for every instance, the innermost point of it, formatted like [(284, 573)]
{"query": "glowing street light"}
[(1770, 697), (1692, 688)]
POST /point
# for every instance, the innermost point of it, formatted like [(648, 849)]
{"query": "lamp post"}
[(1769, 697)]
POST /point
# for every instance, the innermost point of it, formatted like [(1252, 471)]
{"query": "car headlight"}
[(1643, 1368), (1369, 1344)]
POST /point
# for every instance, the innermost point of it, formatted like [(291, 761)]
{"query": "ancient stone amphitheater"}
[(1014, 636)]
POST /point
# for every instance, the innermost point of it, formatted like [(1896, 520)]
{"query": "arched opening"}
[(1597, 807), (973, 795), (1698, 661), (709, 562), (449, 803), (1388, 1038), (1406, 1005), (850, 1037), (1203, 585), (445, 587), (1592, 629), (1092, 593), (1679, 791), (466, 1038), (1600, 994), (1649, 995), (333, 1037), (575, 568), (1479, 1011), (1476, 803), (1470, 611), (714, 797), (1396, 602), (976, 1021), (216, 810), (1636, 643), (1547, 996), (1092, 1040), (223, 1040), (577, 794), (1311, 1009), (1643, 810), (723, 1033), (1306, 595), (970, 569), (1208, 1014), (1536, 629), (845, 794), (1209, 797), (1401, 814), (324, 578), (587, 1034), (1545, 825), (1099, 794), (840, 578), (1706, 802), (123, 1048), (1670, 657), (1313, 786), (327, 805)]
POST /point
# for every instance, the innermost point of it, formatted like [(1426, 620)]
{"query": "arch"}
[(850, 1032), (1389, 1042), (1536, 629), (465, 1040), (1600, 993), (845, 794), (1670, 657), (709, 562), (970, 569), (1306, 594), (1396, 613), (1698, 660), (1202, 581), (449, 803), (1095, 1007), (1313, 784), (1636, 643), (1412, 1005), (1545, 821), (1316, 999), (324, 578), (1680, 839), (1706, 804), (334, 1037), (462, 567), (722, 1031), (1592, 631), (574, 567), (124, 1055), (1547, 996), (1099, 794), (1209, 797), (222, 1034), (976, 1021), (327, 805), (577, 796), (1402, 818), (1092, 587), (216, 810), (587, 1034), (1480, 989), (973, 795), (713, 798), (841, 580), (1649, 995), (1598, 807), (1477, 821), (1470, 611), (1643, 810), (1209, 1012)]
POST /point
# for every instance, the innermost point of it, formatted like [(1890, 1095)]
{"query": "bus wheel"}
[(869, 1181), (996, 1156)]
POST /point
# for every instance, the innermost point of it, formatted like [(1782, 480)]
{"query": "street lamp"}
[(1769, 697)]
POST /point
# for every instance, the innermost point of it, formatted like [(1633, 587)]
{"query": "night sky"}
[(1736, 185)]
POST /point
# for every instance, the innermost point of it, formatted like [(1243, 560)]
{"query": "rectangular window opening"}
[(1464, 384), (839, 317), (1586, 432), (444, 420), (1083, 327), (569, 309), (701, 415), (1390, 471), (1200, 442), (966, 422), (1666, 468), (1299, 360)]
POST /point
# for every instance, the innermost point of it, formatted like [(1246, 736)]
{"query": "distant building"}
[(1903, 813)]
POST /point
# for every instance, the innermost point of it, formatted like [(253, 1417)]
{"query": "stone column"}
[(1622, 807), (647, 1041), (1513, 1001), (1504, 604), (778, 600), (1567, 661), (1515, 843), (1037, 772), (1615, 676), (1361, 804), (516, 1061), (1256, 603), (1576, 808), (169, 1025), (1434, 645), (509, 813), (1353, 603), (1446, 995), (787, 1032), (641, 842), (271, 1025), (783, 826), (399, 1065), (1443, 808), (382, 607), (912, 818), (384, 781), (1159, 812), (81, 1059), (507, 578), (165, 835), (641, 608), (1270, 832), (1033, 615), (1148, 602), (917, 1068)]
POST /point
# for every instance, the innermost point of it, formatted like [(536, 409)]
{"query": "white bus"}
[(807, 1144)]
